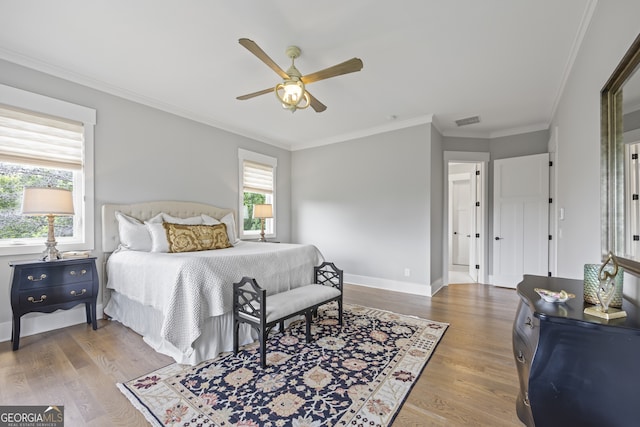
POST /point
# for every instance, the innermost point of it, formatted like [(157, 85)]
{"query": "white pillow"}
[(158, 235), (209, 220), (159, 242), (133, 233), (231, 227), (194, 220)]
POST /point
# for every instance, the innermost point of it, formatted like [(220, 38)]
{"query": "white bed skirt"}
[(217, 331)]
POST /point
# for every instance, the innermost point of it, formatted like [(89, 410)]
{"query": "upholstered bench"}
[(251, 304)]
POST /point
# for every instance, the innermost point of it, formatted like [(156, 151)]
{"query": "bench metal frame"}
[(250, 306)]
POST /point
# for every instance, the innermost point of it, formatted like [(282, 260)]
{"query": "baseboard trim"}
[(505, 281), (436, 286), (36, 323), (391, 285)]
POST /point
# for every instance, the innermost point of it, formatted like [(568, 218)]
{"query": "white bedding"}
[(189, 288)]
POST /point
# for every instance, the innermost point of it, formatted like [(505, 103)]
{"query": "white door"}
[(520, 218), (461, 221)]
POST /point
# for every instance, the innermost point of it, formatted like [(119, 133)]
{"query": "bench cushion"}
[(285, 303)]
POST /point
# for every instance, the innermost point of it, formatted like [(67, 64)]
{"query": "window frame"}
[(270, 224), (84, 198)]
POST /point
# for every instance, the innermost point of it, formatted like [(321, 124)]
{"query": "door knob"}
[(498, 238)]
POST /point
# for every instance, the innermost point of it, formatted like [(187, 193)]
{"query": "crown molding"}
[(374, 130), (573, 53), (520, 130)]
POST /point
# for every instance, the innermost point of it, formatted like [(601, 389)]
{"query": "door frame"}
[(483, 256)]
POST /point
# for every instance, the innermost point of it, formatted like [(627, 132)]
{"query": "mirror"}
[(620, 193)]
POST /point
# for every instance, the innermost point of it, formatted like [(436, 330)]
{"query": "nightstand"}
[(46, 286)]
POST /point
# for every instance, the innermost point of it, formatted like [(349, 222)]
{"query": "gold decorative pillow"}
[(191, 238)]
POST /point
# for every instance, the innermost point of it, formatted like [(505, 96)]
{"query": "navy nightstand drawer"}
[(54, 275), (54, 295)]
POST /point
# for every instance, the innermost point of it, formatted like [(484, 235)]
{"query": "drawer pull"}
[(520, 356), (529, 323), (82, 272), (33, 300), (75, 294), (34, 279)]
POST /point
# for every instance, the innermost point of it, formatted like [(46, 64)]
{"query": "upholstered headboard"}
[(147, 210)]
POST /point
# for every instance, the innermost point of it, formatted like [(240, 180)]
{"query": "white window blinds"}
[(257, 178), (39, 140)]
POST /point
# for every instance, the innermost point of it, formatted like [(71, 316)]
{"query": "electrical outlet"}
[(407, 272)]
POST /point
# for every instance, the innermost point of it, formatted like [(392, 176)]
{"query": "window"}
[(44, 141), (258, 185)]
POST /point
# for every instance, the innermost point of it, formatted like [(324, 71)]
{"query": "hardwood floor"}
[(471, 378)]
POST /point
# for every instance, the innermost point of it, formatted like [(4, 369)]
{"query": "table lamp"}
[(49, 202), (262, 212)]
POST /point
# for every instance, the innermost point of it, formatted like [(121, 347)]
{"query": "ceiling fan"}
[(292, 92)]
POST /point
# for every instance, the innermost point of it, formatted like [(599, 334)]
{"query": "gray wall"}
[(144, 154), (366, 203), (477, 145), (613, 28), (631, 121), (523, 144)]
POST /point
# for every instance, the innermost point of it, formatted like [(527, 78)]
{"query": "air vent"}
[(468, 121)]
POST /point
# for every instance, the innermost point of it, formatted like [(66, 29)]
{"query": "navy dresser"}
[(574, 369), (46, 286)]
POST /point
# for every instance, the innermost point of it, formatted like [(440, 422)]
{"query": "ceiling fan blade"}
[(318, 106), (254, 94), (257, 51), (350, 66)]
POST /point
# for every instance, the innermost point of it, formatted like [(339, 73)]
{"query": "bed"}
[(181, 303)]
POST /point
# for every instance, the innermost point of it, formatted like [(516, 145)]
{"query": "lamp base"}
[(612, 313), (262, 239), (51, 253)]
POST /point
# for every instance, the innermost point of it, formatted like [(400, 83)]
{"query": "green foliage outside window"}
[(250, 199), (13, 179)]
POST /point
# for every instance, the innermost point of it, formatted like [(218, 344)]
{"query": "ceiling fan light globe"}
[(292, 95), (293, 91)]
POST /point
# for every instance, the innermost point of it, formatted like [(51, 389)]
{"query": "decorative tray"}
[(554, 296)]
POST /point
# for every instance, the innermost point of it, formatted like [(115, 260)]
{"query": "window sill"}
[(256, 236)]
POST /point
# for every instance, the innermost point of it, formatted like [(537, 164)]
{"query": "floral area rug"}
[(357, 375)]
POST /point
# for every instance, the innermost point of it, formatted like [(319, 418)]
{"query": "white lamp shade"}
[(47, 200), (262, 211)]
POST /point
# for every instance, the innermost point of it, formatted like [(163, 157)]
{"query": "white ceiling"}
[(503, 60)]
